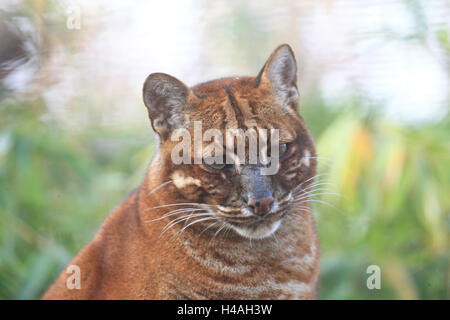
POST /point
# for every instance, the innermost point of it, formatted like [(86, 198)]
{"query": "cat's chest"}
[(275, 275), (244, 291)]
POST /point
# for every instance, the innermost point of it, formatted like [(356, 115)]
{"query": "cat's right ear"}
[(166, 100), (280, 72)]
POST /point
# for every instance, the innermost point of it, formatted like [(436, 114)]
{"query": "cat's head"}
[(210, 134)]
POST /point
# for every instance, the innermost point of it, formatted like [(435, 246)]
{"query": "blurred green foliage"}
[(55, 189), (393, 209)]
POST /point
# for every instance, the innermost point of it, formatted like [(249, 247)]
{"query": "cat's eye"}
[(210, 164), (283, 148), (216, 166)]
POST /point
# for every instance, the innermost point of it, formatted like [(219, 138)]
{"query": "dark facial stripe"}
[(252, 107), (234, 105), (258, 77), (198, 95)]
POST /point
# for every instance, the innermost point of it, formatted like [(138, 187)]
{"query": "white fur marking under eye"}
[(306, 157), (181, 181)]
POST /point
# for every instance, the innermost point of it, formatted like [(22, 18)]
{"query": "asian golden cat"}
[(211, 230)]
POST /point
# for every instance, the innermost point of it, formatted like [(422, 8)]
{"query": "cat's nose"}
[(261, 207)]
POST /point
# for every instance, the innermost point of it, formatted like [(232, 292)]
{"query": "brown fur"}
[(129, 259)]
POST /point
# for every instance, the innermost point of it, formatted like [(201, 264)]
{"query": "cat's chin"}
[(260, 232)]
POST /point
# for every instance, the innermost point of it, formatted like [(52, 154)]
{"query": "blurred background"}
[(374, 78)]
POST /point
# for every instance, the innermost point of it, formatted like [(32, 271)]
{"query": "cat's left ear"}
[(166, 99), (280, 71)]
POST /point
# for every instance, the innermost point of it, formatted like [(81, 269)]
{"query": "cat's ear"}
[(280, 71), (166, 100)]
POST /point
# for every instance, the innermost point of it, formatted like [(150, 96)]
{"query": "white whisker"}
[(211, 225), (183, 204), (160, 186), (322, 202), (196, 221), (181, 219), (173, 212), (308, 195), (220, 229)]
